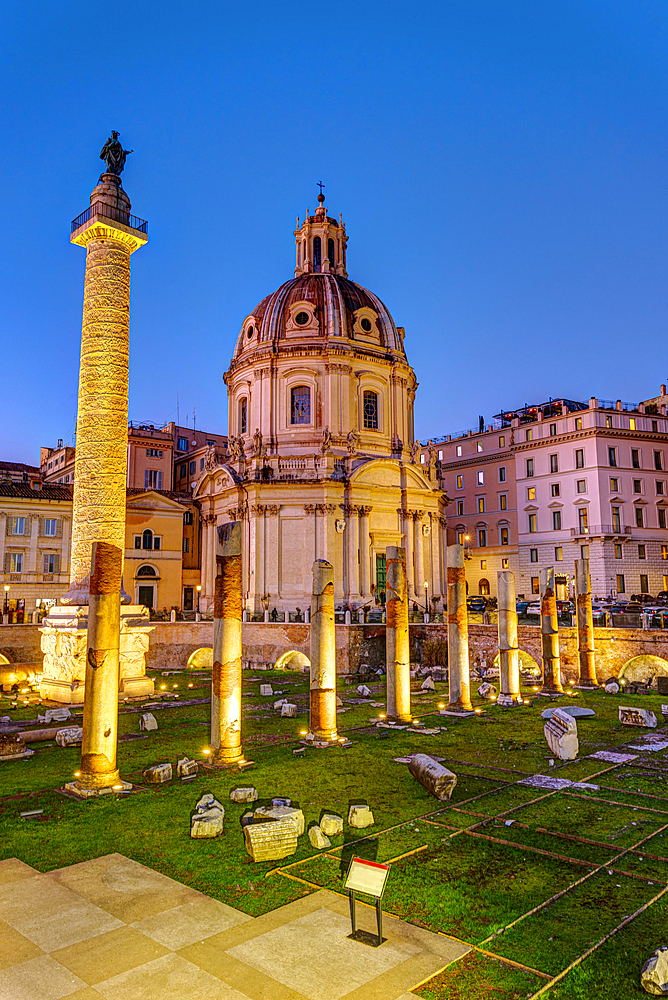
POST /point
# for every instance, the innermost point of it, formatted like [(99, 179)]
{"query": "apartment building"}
[(190, 450), (557, 481), (150, 459)]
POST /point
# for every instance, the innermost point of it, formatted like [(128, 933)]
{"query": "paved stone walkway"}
[(113, 928)]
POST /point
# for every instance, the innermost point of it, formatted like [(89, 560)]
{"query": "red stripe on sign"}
[(371, 864)]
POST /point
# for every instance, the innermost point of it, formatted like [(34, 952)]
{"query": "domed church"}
[(322, 462)]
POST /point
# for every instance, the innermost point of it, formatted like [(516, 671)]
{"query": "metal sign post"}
[(368, 877)]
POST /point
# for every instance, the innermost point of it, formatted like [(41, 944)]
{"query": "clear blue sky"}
[(500, 167)]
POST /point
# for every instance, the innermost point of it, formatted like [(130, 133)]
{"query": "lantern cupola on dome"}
[(320, 243)]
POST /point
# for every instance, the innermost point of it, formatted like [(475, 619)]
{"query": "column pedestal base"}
[(510, 700), (93, 793)]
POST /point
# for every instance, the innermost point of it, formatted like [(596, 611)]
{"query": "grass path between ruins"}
[(560, 894)]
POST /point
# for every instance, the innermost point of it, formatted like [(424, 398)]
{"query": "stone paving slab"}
[(112, 928)]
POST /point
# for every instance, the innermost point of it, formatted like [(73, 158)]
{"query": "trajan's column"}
[(110, 235)]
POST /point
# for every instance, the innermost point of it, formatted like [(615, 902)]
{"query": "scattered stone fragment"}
[(70, 737), (281, 802), (148, 723), (428, 684), (55, 715), (272, 840), (280, 702), (288, 711), (11, 745), (207, 822), (186, 768), (664, 712), (561, 733), (612, 687), (359, 817), (266, 690), (575, 711), (339, 703), (654, 973), (487, 691), (438, 780), (637, 717), (318, 839), (156, 775), (363, 690), (244, 794), (331, 825), (289, 813)]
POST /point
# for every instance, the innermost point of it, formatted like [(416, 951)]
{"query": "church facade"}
[(322, 462)]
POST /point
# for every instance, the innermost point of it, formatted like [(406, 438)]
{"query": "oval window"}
[(301, 318), (366, 324), (250, 331)]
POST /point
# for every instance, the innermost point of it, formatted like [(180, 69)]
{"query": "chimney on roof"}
[(60, 442), (663, 390)]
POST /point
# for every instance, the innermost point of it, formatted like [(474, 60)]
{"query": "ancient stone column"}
[(458, 637), (364, 550), (352, 539), (407, 517), (549, 627), (586, 653), (100, 714), (226, 675), (322, 724), (397, 646), (419, 558), (509, 661)]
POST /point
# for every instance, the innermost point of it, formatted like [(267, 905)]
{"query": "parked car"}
[(565, 608), (533, 609), (476, 604), (521, 607), (642, 599), (659, 619)]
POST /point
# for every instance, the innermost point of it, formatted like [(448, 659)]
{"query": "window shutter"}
[(41, 526), (7, 562), (159, 479), (45, 564), (9, 529), (27, 526), (56, 564), (59, 527)]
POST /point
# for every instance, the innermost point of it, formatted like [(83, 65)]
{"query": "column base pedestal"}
[(587, 686), (510, 700), (93, 793), (227, 759)]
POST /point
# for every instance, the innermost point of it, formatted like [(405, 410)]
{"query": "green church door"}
[(380, 577)]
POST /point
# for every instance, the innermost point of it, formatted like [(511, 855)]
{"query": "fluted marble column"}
[(226, 672), (549, 627), (407, 517), (353, 543), (419, 558), (364, 550), (585, 619), (322, 721), (509, 664), (397, 645), (458, 637)]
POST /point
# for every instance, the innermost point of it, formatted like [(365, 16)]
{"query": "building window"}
[(583, 523), (554, 463), (637, 486), (16, 562), (528, 435), (138, 541), (532, 523), (480, 478), (662, 517), (191, 468), (638, 511), (579, 459), (502, 441), (460, 482), (186, 545), (153, 453), (188, 517), (644, 583), (183, 471), (17, 525), (553, 430), (243, 416), (51, 563), (655, 426), (330, 252), (504, 564), (584, 552), (483, 564), (201, 465), (558, 553), (659, 487), (440, 456), (657, 460), (635, 458), (581, 485), (535, 589), (182, 444), (578, 423), (608, 422), (621, 586), (461, 538), (422, 458), (614, 485), (616, 519), (147, 539), (300, 408), (502, 474), (503, 501), (460, 508), (481, 505), (50, 525), (531, 492), (479, 445), (504, 536), (533, 555), (619, 553), (632, 423), (459, 451), (554, 489), (556, 520), (529, 467), (371, 410), (152, 479), (664, 551), (482, 538), (317, 252), (642, 552), (612, 458)]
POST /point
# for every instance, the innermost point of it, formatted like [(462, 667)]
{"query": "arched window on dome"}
[(370, 410), (243, 416), (304, 251), (330, 252), (299, 255), (300, 408), (317, 253)]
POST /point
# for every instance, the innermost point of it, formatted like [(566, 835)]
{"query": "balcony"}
[(600, 529), (109, 212)]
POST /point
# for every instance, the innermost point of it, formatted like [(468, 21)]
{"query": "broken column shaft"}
[(226, 675), (100, 711), (458, 638), (585, 618), (549, 627), (397, 645), (322, 723), (509, 661)]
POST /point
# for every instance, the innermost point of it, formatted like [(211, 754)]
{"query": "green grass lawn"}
[(483, 868)]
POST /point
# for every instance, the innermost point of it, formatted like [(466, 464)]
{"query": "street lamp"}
[(198, 588), (6, 598), (426, 602)]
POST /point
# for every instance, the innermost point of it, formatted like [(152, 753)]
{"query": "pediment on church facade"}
[(214, 481), (387, 472)]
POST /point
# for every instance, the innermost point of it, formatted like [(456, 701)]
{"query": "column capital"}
[(418, 514), (349, 509), (310, 508), (326, 508), (258, 509), (273, 508), (365, 510)]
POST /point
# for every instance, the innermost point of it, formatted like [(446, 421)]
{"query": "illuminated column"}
[(204, 549), (419, 557), (397, 646), (586, 652), (322, 724), (100, 715), (226, 675), (509, 662), (458, 637), (102, 418), (353, 542), (408, 545), (549, 627), (364, 550)]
